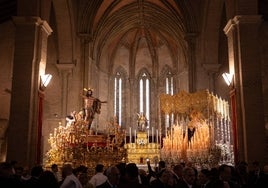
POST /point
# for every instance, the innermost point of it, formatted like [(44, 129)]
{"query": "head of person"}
[(177, 169), (67, 170), (189, 175), (113, 175), (203, 176), (164, 176), (54, 168), (265, 169), (132, 171), (37, 170), (99, 168), (225, 172), (161, 165)]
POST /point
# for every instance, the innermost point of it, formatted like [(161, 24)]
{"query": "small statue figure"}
[(142, 122), (92, 105)]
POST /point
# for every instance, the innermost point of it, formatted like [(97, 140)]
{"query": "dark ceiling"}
[(8, 8)]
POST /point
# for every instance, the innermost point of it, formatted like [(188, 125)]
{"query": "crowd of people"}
[(131, 176)]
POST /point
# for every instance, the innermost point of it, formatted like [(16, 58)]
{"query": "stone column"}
[(29, 63), (86, 61), (191, 41), (245, 64), (65, 70), (212, 69)]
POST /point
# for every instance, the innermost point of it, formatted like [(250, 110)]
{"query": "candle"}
[(130, 135), (157, 136), (153, 134), (125, 136), (135, 134)]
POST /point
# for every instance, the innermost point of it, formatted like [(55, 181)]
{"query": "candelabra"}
[(74, 144)]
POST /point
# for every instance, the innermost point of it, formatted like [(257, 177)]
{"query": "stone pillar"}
[(29, 63), (65, 70), (191, 41), (245, 64), (86, 61), (212, 69)]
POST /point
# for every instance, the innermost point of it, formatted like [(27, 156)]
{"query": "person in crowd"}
[(226, 175), (36, 172), (7, 178), (55, 170), (143, 178), (188, 179), (153, 174), (263, 180), (177, 172), (203, 178), (26, 174), (240, 174), (84, 180), (48, 180), (131, 177), (69, 179), (254, 174), (122, 170), (99, 178), (162, 180), (113, 175)]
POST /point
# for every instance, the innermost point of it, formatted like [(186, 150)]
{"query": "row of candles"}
[(156, 137), (221, 106), (177, 140)]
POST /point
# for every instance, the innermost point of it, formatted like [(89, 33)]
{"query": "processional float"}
[(197, 129)]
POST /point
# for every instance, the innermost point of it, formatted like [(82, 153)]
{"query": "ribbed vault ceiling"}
[(111, 24)]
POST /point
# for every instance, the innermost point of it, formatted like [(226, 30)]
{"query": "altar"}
[(141, 149)]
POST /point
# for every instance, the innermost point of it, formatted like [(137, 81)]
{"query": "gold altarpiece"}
[(141, 149)]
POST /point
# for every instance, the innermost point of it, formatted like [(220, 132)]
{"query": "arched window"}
[(169, 84), (118, 96), (169, 89), (144, 95)]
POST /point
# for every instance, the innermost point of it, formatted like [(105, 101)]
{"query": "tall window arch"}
[(169, 83), (144, 95), (168, 80), (119, 87)]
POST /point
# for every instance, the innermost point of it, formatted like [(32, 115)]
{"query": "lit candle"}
[(157, 136), (55, 132), (135, 134), (130, 135), (153, 134), (125, 136)]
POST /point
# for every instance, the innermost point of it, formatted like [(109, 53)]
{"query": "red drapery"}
[(234, 124)]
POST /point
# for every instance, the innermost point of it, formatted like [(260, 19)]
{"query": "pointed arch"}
[(167, 80), (119, 98), (144, 93)]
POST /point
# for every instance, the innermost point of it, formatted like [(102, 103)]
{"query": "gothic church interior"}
[(130, 52)]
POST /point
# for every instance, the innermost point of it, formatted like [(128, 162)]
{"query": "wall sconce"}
[(45, 79), (228, 78)]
